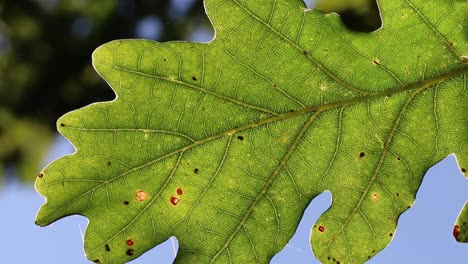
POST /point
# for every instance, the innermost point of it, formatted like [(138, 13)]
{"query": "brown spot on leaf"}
[(96, 261), (107, 247), (456, 232), (398, 158), (174, 201), (196, 170), (376, 62), (375, 196), (62, 124), (463, 170), (464, 59), (179, 191), (141, 195), (321, 229), (126, 202), (390, 234), (194, 78), (240, 138), (362, 154), (40, 175), (130, 242)]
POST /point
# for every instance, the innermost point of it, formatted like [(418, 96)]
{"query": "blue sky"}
[(424, 233)]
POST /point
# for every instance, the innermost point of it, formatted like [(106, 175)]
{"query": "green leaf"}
[(224, 144)]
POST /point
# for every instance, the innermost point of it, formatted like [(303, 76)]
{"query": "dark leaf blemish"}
[(174, 200), (107, 247), (456, 232), (130, 252), (179, 191)]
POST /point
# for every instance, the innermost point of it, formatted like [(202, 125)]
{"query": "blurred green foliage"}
[(45, 59), (358, 15), (45, 63)]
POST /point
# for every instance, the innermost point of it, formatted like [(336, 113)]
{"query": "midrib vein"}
[(417, 85), (318, 109), (424, 85)]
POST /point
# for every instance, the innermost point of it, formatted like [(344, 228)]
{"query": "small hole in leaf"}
[(362, 154), (126, 202), (196, 170), (194, 78), (130, 252), (240, 138), (107, 247), (130, 242)]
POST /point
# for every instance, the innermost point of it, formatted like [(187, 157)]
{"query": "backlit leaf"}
[(224, 144)]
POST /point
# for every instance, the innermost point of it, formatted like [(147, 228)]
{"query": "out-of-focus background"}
[(46, 71)]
